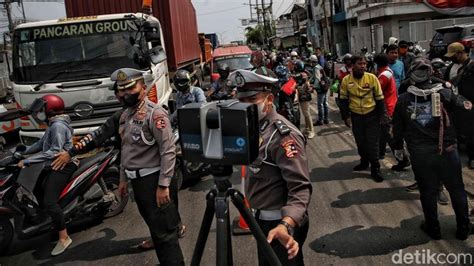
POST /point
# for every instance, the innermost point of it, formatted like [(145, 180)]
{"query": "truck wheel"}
[(112, 181), (6, 234)]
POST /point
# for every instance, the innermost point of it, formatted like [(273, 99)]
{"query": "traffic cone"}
[(239, 226)]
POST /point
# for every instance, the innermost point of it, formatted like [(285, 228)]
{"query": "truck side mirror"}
[(157, 55), (152, 32)]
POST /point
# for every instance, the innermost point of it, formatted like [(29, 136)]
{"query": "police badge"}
[(121, 76), (239, 79)]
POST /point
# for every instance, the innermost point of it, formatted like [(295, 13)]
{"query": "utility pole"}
[(7, 6), (264, 13), (333, 37), (258, 12)]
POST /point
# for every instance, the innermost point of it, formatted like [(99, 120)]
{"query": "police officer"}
[(279, 188), (108, 130), (148, 160)]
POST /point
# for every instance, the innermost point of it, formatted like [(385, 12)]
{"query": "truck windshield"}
[(234, 61), (40, 53)]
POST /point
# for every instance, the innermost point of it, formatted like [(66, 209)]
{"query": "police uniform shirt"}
[(147, 140), (361, 93), (279, 178)]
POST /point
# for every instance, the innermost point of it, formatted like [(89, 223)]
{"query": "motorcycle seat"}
[(88, 162)]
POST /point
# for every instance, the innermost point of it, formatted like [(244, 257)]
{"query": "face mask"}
[(131, 100), (261, 113), (420, 76), (42, 116)]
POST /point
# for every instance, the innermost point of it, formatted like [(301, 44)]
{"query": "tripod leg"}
[(223, 247), (230, 259), (205, 228), (238, 200)]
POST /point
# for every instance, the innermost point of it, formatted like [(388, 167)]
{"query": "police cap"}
[(249, 83), (126, 77)]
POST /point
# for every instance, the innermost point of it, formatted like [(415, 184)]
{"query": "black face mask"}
[(131, 100)]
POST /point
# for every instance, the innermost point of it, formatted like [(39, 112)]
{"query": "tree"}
[(254, 35)]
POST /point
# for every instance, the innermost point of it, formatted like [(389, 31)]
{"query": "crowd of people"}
[(402, 103)]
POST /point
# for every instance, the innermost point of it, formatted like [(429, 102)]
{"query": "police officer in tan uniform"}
[(148, 160), (279, 188)]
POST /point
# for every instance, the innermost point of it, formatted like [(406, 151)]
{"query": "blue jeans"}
[(323, 106)]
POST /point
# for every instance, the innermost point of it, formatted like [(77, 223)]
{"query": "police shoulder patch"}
[(282, 128), (289, 146), (159, 120)]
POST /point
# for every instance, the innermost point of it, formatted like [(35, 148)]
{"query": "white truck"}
[(74, 58)]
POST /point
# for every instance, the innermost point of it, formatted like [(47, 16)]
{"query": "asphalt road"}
[(353, 220)]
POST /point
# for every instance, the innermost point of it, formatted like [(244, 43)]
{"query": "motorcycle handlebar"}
[(13, 114)]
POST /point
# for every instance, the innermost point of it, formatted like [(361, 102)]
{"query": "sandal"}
[(145, 245), (182, 231)]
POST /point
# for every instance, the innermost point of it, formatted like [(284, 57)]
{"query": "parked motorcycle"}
[(91, 193)]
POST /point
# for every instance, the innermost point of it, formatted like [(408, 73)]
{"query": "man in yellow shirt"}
[(363, 109)]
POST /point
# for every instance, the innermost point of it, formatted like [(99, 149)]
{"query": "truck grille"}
[(99, 111)]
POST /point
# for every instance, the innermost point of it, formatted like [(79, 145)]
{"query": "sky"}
[(222, 16), (213, 16)]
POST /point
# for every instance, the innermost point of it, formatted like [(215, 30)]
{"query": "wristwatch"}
[(289, 228)]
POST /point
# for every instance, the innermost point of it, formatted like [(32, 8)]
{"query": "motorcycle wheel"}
[(112, 181), (6, 234)]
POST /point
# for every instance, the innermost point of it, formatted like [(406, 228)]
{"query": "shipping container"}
[(177, 18)]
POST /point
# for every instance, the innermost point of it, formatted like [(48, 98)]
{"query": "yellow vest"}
[(361, 93)]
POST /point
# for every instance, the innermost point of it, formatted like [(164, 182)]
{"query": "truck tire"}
[(6, 234)]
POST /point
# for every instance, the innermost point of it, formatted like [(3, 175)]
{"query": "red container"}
[(177, 18)]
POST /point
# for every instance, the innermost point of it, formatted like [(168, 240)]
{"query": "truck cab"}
[(74, 58), (236, 56)]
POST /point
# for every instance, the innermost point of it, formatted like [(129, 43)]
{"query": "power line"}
[(221, 11)]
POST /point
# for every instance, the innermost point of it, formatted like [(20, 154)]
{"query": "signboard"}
[(284, 28), (76, 29), (449, 7)]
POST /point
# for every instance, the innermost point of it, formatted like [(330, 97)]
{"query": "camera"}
[(224, 133)]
